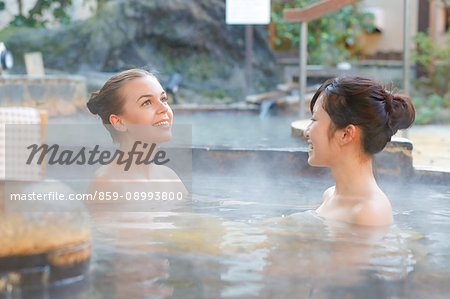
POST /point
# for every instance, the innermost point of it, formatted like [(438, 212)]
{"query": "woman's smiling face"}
[(145, 102), (146, 112), (322, 147)]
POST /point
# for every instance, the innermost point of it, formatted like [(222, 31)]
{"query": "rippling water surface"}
[(257, 237), (246, 237)]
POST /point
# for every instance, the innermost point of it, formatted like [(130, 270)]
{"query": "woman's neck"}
[(141, 155), (354, 177)]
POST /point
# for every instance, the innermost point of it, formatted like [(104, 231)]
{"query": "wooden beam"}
[(314, 11)]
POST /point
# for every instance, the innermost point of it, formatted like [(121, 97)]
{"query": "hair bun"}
[(91, 103), (91, 107), (388, 100), (400, 111)]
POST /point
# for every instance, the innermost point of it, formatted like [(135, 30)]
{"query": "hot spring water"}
[(251, 233)]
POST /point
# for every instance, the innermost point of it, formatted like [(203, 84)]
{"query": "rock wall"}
[(58, 95), (189, 37)]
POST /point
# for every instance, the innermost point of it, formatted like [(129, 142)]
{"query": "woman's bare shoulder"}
[(375, 211), (104, 172), (166, 172), (328, 193), (103, 179), (170, 175)]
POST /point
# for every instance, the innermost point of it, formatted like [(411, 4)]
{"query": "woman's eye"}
[(164, 100), (313, 119), (146, 103)]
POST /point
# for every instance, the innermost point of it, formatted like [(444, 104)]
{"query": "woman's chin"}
[(160, 139), (313, 162), (166, 138), (157, 135), (163, 136)]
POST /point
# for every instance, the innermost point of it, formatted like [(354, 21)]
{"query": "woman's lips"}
[(310, 146), (160, 124)]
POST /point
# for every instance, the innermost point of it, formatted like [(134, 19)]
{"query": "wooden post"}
[(302, 72), (304, 15), (406, 47), (432, 33), (406, 50), (248, 59)]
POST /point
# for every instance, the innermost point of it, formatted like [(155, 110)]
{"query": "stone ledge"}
[(431, 175), (58, 94)]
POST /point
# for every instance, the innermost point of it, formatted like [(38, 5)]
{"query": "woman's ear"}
[(117, 123), (348, 134)]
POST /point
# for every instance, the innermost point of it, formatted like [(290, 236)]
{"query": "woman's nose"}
[(306, 132), (162, 107)]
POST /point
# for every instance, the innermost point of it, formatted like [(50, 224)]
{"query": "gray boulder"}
[(189, 37)]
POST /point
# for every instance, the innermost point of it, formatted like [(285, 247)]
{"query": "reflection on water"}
[(240, 243), (211, 256)]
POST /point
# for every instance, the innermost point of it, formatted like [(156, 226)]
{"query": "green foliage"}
[(34, 18), (425, 116), (100, 3), (434, 58), (434, 102), (331, 39), (432, 109), (417, 102), (2, 5), (447, 100)]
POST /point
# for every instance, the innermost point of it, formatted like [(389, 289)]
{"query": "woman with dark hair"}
[(353, 118)]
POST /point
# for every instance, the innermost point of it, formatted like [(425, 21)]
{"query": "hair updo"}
[(108, 100), (379, 113)]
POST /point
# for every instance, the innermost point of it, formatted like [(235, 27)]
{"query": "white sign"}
[(250, 12)]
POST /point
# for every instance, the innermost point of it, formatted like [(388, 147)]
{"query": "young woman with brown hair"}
[(133, 107)]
